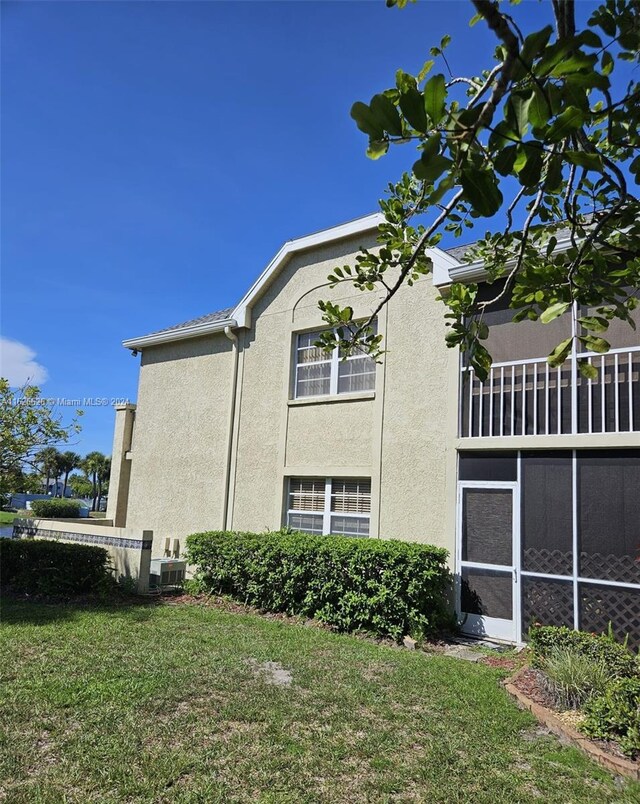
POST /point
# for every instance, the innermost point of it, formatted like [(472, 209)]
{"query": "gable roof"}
[(212, 322), (209, 318), (240, 315)]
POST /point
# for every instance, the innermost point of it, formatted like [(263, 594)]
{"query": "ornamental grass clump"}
[(619, 660), (572, 677)]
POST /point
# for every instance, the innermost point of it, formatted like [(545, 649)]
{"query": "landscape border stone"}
[(617, 765)]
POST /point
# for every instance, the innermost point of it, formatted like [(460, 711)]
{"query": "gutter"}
[(194, 331), (232, 415), (476, 271)]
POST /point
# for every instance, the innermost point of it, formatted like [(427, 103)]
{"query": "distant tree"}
[(48, 461), (546, 135), (103, 477), (17, 481), (97, 466), (68, 461), (80, 485), (28, 424)]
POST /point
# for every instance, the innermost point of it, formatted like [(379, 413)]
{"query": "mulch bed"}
[(532, 683)]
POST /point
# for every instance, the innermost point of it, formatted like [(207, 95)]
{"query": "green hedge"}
[(544, 638), (56, 507), (390, 588), (40, 566)]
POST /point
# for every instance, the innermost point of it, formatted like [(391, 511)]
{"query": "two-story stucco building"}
[(531, 479)]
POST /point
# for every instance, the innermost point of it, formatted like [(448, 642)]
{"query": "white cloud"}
[(17, 364)]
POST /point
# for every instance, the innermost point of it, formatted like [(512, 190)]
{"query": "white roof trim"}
[(242, 312), (443, 266), (193, 331), (475, 271), (241, 315)]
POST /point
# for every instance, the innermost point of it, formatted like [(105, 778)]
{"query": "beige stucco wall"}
[(274, 438), (399, 436), (180, 436), (418, 457)]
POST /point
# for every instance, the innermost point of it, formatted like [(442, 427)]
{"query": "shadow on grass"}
[(23, 610)]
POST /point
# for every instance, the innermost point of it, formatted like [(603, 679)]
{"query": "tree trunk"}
[(64, 488), (46, 488), (94, 490)]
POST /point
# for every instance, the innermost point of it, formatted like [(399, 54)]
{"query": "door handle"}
[(515, 575)]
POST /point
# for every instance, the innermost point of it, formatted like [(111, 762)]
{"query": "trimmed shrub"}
[(573, 677), (389, 588), (615, 715), (56, 507), (41, 566), (598, 648)]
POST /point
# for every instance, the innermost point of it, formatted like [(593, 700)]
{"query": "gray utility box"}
[(167, 572)]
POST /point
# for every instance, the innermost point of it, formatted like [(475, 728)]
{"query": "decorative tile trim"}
[(83, 538)]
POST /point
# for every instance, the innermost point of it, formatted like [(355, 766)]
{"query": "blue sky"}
[(157, 154)]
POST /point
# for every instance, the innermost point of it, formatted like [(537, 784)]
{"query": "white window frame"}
[(334, 360), (327, 513)]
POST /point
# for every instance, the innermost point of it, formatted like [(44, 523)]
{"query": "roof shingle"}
[(209, 318)]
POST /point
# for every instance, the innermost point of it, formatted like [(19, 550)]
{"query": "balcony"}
[(528, 397)]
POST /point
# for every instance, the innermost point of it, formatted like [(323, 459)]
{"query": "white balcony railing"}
[(528, 397)]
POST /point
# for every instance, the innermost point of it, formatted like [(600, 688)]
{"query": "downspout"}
[(232, 414)]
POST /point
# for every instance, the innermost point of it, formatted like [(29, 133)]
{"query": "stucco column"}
[(121, 465)]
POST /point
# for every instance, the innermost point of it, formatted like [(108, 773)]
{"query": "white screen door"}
[(488, 559)]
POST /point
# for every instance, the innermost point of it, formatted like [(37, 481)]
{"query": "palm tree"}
[(103, 475), (67, 462), (48, 459), (93, 465)]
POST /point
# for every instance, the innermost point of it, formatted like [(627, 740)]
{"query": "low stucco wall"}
[(129, 550)]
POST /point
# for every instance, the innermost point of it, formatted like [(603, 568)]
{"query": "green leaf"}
[(595, 323), (519, 112), (556, 310), (426, 69), (566, 123), (412, 105), (366, 120), (560, 353), (553, 179), (589, 38), (535, 43), (505, 159), (607, 63), (503, 134), (386, 114), (430, 169), (481, 190), (573, 64), (435, 93), (530, 172), (595, 344), (587, 369), (539, 109), (575, 94), (431, 146), (377, 148), (585, 160)]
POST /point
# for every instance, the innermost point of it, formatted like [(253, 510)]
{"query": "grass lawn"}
[(162, 703), (7, 518)]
